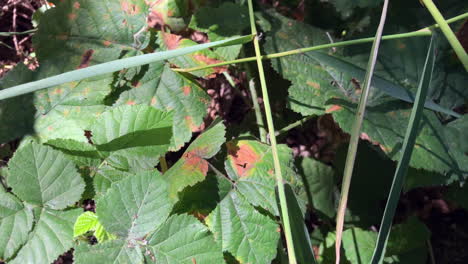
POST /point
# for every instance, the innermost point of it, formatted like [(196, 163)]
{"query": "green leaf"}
[(16, 114), (142, 202), (250, 164), (132, 126), (171, 13), (87, 221), (408, 237), (52, 235), (320, 186), (116, 251), (248, 235), (15, 223), (52, 179), (222, 22), (88, 32), (169, 41), (192, 167), (359, 245), (327, 83), (183, 239), (167, 90), (191, 202), (105, 176)]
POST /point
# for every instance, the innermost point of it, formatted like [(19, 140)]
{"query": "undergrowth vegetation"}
[(154, 118)]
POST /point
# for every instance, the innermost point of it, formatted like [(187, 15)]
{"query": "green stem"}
[(418, 33), (293, 125), (274, 150), (258, 112), (355, 132), (452, 39)]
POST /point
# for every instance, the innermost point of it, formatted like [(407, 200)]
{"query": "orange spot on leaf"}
[(207, 61), (76, 5), (333, 108), (129, 8), (57, 91), (243, 157), (130, 102), (186, 90), (314, 85), (106, 43), (153, 101), (190, 124), (194, 162), (172, 41)]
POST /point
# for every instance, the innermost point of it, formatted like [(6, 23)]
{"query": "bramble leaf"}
[(250, 164), (183, 239), (192, 167), (52, 235), (248, 235), (331, 83), (53, 181), (166, 90), (16, 221), (144, 200)]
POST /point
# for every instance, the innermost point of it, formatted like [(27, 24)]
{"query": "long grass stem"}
[(424, 32), (355, 132), (274, 150), (445, 28)]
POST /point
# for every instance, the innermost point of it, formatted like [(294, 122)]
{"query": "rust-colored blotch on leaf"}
[(333, 108), (86, 58), (195, 162), (129, 8), (243, 157), (186, 90), (172, 41)]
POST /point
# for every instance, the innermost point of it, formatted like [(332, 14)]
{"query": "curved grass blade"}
[(114, 66), (351, 156), (408, 146)]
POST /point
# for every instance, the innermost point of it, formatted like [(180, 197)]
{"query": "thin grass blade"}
[(303, 248), (351, 156), (114, 66), (274, 150), (408, 146)]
